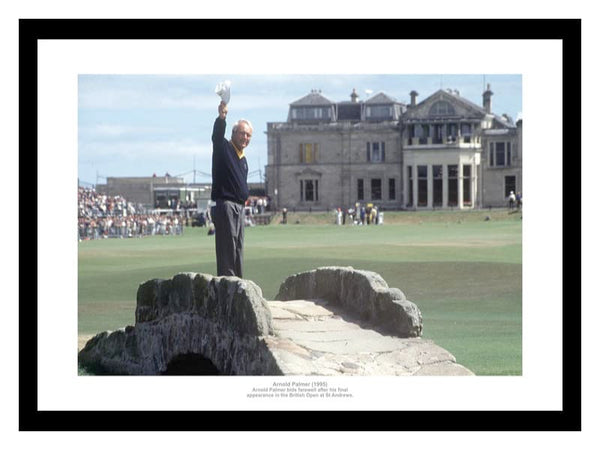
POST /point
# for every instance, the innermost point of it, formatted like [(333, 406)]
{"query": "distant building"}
[(156, 192), (444, 152), (164, 192)]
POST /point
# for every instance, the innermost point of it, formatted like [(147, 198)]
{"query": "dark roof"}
[(452, 94), (313, 99), (467, 101), (499, 119), (381, 98)]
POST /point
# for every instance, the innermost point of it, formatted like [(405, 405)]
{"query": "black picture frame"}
[(32, 419)]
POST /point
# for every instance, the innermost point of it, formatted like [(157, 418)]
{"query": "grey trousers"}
[(228, 218)]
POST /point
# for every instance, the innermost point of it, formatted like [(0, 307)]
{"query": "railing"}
[(447, 140), (89, 232)]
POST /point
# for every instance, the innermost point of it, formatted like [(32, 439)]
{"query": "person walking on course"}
[(229, 192), (511, 200)]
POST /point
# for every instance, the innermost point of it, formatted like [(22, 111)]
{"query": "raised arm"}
[(222, 110), (220, 124)]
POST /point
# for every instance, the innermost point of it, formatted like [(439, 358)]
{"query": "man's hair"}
[(239, 122)]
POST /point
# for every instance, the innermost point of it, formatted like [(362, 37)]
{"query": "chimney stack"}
[(413, 98), (354, 96), (487, 100)]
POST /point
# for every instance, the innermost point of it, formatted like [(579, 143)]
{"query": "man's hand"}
[(222, 110)]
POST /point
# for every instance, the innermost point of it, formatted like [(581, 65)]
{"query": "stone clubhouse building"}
[(442, 152)]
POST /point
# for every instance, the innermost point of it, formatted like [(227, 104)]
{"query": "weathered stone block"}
[(181, 293), (200, 288), (301, 285), (147, 301), (396, 314), (224, 319)]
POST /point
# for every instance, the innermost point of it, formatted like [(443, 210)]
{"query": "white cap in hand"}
[(223, 90)]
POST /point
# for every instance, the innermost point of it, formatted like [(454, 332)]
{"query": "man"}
[(229, 192), (511, 200)]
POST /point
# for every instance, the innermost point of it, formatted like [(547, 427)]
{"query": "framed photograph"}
[(61, 62)]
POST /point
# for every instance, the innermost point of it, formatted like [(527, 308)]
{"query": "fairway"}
[(465, 275)]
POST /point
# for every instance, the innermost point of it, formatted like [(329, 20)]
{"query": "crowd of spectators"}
[(92, 204), (102, 216), (258, 205), (359, 215)]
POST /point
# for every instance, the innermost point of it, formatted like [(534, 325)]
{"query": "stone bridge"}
[(328, 321)]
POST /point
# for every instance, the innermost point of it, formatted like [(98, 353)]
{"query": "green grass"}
[(463, 272)]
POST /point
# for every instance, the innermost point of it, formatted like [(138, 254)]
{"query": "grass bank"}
[(405, 217)]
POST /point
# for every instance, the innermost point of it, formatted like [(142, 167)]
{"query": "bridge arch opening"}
[(191, 364)]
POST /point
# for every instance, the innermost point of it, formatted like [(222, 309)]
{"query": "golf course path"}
[(314, 337)]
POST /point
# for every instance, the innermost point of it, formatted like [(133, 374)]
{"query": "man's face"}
[(241, 137)]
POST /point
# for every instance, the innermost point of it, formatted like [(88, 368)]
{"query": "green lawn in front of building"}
[(464, 273)]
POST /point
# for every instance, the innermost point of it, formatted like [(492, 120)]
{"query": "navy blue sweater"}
[(229, 171)]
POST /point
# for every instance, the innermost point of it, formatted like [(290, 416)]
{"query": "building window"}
[(423, 139), (500, 154), (438, 181), (409, 200), (314, 113), (308, 153), (379, 112), (375, 151), (376, 189), (360, 187), (453, 185), (442, 108), (438, 134), (451, 132), (510, 184), (309, 190), (392, 189), (422, 186), (419, 133), (467, 185), (466, 131)]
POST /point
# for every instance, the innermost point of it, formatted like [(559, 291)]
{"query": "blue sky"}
[(138, 125)]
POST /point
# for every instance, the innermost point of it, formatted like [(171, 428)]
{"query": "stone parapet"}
[(234, 304), (224, 319), (363, 293)]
